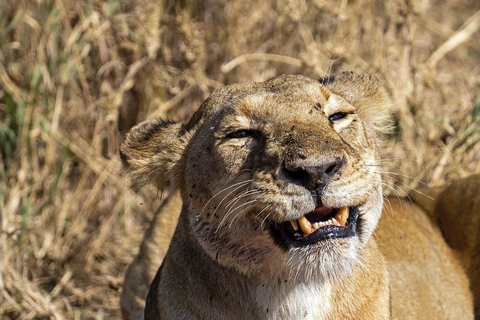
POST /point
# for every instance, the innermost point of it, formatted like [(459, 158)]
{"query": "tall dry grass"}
[(76, 75)]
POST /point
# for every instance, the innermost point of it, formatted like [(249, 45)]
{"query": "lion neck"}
[(240, 296)]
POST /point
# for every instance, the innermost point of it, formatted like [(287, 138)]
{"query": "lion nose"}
[(312, 173)]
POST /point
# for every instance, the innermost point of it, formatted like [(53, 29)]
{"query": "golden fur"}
[(257, 155), (456, 211), (154, 246)]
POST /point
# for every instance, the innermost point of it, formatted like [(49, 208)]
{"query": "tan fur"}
[(141, 271), (456, 209), (223, 261), (426, 279)]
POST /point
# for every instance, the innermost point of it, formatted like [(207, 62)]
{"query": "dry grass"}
[(76, 75)]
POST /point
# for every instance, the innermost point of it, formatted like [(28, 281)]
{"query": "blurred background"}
[(76, 75)]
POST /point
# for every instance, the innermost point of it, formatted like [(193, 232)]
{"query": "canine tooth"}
[(294, 224), (335, 222), (342, 216), (305, 225)]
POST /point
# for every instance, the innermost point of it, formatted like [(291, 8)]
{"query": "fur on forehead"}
[(282, 87), (363, 91)]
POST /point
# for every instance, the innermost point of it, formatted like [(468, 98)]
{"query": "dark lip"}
[(284, 235)]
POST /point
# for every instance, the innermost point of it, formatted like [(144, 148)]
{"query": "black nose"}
[(312, 173)]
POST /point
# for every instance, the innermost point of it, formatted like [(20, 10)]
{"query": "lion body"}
[(426, 278), (256, 156)]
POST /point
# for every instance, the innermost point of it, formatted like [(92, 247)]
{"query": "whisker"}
[(389, 159), (225, 217), (241, 184), (393, 189), (246, 193), (401, 175), (224, 189), (423, 194), (414, 189), (233, 202), (266, 217), (406, 194), (258, 214), (236, 200), (390, 209), (240, 213), (382, 165)]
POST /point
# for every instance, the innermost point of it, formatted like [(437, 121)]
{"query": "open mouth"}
[(321, 224)]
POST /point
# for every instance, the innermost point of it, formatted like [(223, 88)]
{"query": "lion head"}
[(276, 178)]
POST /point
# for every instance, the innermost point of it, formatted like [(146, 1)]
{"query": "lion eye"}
[(337, 116), (242, 134)]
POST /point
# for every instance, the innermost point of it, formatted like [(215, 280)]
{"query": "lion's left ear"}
[(365, 92), (152, 152)]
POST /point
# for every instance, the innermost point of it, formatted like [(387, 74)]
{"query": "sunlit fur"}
[(228, 163)]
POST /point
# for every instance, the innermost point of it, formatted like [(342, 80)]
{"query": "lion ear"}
[(152, 152), (365, 92)]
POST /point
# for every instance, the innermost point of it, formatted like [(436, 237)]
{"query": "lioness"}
[(281, 195)]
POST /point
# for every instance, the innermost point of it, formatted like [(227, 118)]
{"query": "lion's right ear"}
[(152, 152)]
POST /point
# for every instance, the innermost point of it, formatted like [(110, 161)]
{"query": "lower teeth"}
[(307, 227)]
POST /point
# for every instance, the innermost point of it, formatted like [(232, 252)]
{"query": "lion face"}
[(278, 178)]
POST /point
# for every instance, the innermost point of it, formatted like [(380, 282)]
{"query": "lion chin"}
[(275, 212)]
